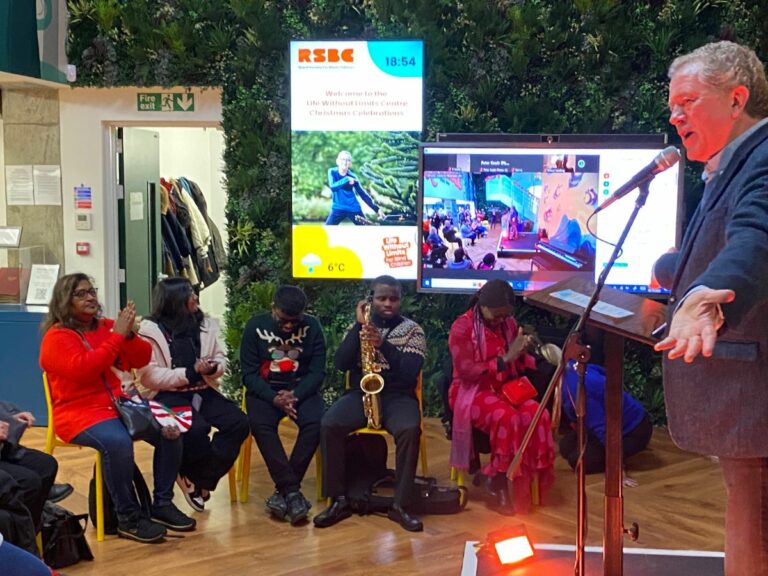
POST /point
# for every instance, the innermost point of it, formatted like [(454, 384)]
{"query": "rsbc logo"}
[(318, 55)]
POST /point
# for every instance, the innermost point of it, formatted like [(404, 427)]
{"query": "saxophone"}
[(371, 383)]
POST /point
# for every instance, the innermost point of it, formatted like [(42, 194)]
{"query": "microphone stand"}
[(576, 350)]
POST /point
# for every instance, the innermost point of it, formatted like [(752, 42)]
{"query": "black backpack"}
[(371, 486), (110, 515)]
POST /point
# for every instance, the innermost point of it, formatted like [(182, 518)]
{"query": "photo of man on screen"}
[(345, 187)]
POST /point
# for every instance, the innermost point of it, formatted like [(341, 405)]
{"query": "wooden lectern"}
[(646, 315)]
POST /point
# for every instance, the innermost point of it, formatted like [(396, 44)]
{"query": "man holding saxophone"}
[(392, 346)]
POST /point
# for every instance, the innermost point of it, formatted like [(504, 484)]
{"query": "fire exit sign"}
[(165, 102)]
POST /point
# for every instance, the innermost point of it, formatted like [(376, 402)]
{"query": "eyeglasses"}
[(83, 293)]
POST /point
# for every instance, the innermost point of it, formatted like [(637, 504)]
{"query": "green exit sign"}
[(165, 102)]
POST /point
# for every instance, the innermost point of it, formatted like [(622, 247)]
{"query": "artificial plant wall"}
[(593, 66)]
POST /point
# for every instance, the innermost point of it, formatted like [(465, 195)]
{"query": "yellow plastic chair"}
[(244, 464), (422, 442), (52, 441)]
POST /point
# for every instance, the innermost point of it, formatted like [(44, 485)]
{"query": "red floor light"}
[(509, 545)]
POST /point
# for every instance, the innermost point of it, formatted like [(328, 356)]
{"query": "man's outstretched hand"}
[(695, 324)]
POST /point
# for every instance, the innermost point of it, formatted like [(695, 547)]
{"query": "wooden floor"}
[(679, 505)]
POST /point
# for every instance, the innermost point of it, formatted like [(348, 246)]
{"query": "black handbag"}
[(134, 412), (63, 535), (136, 415)]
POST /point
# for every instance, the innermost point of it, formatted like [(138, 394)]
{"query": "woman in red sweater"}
[(82, 354)]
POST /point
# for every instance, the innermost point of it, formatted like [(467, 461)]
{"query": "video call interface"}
[(521, 214)]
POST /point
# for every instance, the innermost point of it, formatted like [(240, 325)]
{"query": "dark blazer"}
[(719, 405)]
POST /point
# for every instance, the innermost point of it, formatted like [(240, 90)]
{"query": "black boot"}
[(338, 510)]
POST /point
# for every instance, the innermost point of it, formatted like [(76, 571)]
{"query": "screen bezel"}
[(541, 142)]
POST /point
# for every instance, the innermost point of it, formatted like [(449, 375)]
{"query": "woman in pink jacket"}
[(186, 365)]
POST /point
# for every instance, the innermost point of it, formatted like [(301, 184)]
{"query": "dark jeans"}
[(34, 472), (338, 216), (594, 455), (264, 418), (206, 459), (111, 439), (746, 516), (399, 416)]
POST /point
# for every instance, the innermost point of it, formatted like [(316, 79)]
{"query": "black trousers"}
[(287, 473), (594, 454), (34, 472), (207, 458), (399, 416)]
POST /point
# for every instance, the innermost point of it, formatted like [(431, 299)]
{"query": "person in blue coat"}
[(345, 187), (636, 425)]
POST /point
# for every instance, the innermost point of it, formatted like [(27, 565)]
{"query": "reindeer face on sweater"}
[(283, 353)]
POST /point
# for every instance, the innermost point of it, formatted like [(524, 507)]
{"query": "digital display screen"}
[(519, 212), (356, 122)]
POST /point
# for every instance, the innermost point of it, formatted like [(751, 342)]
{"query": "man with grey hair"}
[(717, 397), (344, 184)]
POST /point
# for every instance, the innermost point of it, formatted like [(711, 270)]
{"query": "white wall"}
[(197, 154), (3, 221), (88, 116)]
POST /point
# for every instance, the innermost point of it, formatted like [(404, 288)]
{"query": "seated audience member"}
[(487, 349), (488, 262), (636, 424), (16, 561), (33, 471), (399, 347), (479, 229), (16, 523), (460, 260), (282, 357), (450, 233), (186, 365), (434, 238), (84, 354), (468, 233)]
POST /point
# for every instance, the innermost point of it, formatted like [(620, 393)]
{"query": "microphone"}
[(665, 159)]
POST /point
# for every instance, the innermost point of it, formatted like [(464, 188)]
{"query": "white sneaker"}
[(192, 495)]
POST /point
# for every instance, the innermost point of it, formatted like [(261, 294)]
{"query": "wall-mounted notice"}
[(41, 282), (47, 185), (19, 185), (356, 122)]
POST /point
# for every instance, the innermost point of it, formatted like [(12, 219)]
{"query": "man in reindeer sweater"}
[(282, 357)]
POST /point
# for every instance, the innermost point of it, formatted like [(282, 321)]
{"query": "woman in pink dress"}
[(488, 350)]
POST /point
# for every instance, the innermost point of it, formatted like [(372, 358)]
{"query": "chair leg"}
[(232, 476), (245, 469), (99, 498), (535, 491)]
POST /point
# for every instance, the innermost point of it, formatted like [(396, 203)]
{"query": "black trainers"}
[(173, 518), (298, 507), (276, 505), (192, 494), (141, 529)]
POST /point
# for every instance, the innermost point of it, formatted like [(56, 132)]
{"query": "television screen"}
[(520, 210), (356, 121)]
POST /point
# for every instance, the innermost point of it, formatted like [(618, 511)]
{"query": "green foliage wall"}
[(595, 66)]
